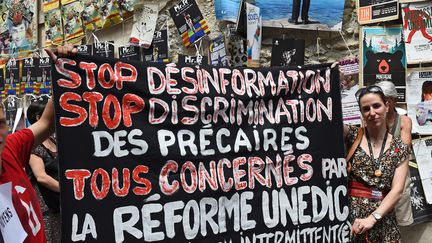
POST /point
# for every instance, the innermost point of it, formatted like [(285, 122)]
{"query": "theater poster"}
[(19, 19), (377, 11), (158, 50), (417, 24), (28, 79), (189, 21), (72, 22), (287, 52), (423, 152), (419, 99), (217, 52), (382, 57), (323, 14), (254, 35), (349, 85), (145, 18)]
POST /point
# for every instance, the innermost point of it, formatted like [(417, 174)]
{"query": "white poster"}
[(349, 86), (10, 225), (417, 25), (254, 25), (423, 153), (419, 99), (145, 18)]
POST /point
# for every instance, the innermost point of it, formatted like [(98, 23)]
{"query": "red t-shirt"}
[(15, 158)]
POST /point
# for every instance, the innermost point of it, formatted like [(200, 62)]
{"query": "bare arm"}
[(37, 166), (44, 127), (406, 127)]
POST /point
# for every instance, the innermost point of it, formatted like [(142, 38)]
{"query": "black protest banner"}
[(161, 153)]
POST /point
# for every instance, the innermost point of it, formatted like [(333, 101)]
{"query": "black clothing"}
[(304, 10)]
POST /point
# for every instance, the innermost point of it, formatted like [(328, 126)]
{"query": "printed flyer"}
[(417, 25), (217, 52), (253, 35), (419, 99), (145, 18), (158, 51), (189, 21), (349, 85), (287, 52)]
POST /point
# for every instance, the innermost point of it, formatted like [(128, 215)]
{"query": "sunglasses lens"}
[(369, 89)]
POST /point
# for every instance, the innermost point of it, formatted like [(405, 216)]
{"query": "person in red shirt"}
[(20, 213)]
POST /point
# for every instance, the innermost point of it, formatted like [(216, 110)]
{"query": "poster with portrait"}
[(423, 152), (254, 35), (217, 52), (44, 75), (130, 52), (377, 11), (11, 109), (4, 33), (72, 23), (19, 27), (90, 15), (324, 15), (158, 50), (53, 24), (189, 21), (349, 85), (382, 57), (110, 13), (12, 82), (287, 52), (419, 99), (28, 79), (417, 24), (145, 18)]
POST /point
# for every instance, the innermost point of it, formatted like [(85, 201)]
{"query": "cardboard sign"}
[(179, 154)]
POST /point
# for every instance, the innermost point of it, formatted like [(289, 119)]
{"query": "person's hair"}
[(426, 88), (35, 109), (372, 89), (388, 89)]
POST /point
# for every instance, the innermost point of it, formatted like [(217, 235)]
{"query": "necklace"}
[(378, 170)]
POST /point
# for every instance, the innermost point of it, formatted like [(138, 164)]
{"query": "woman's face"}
[(18, 34), (373, 109)]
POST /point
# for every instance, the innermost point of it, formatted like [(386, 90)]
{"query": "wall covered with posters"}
[(331, 45)]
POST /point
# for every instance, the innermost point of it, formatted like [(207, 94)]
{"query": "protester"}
[(379, 159), (400, 127), (19, 197), (44, 167)]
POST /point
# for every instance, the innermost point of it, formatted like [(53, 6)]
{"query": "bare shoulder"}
[(406, 123)]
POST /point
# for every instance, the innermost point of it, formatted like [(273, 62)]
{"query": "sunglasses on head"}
[(369, 89)]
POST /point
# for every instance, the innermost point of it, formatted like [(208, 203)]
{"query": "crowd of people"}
[(377, 155)]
